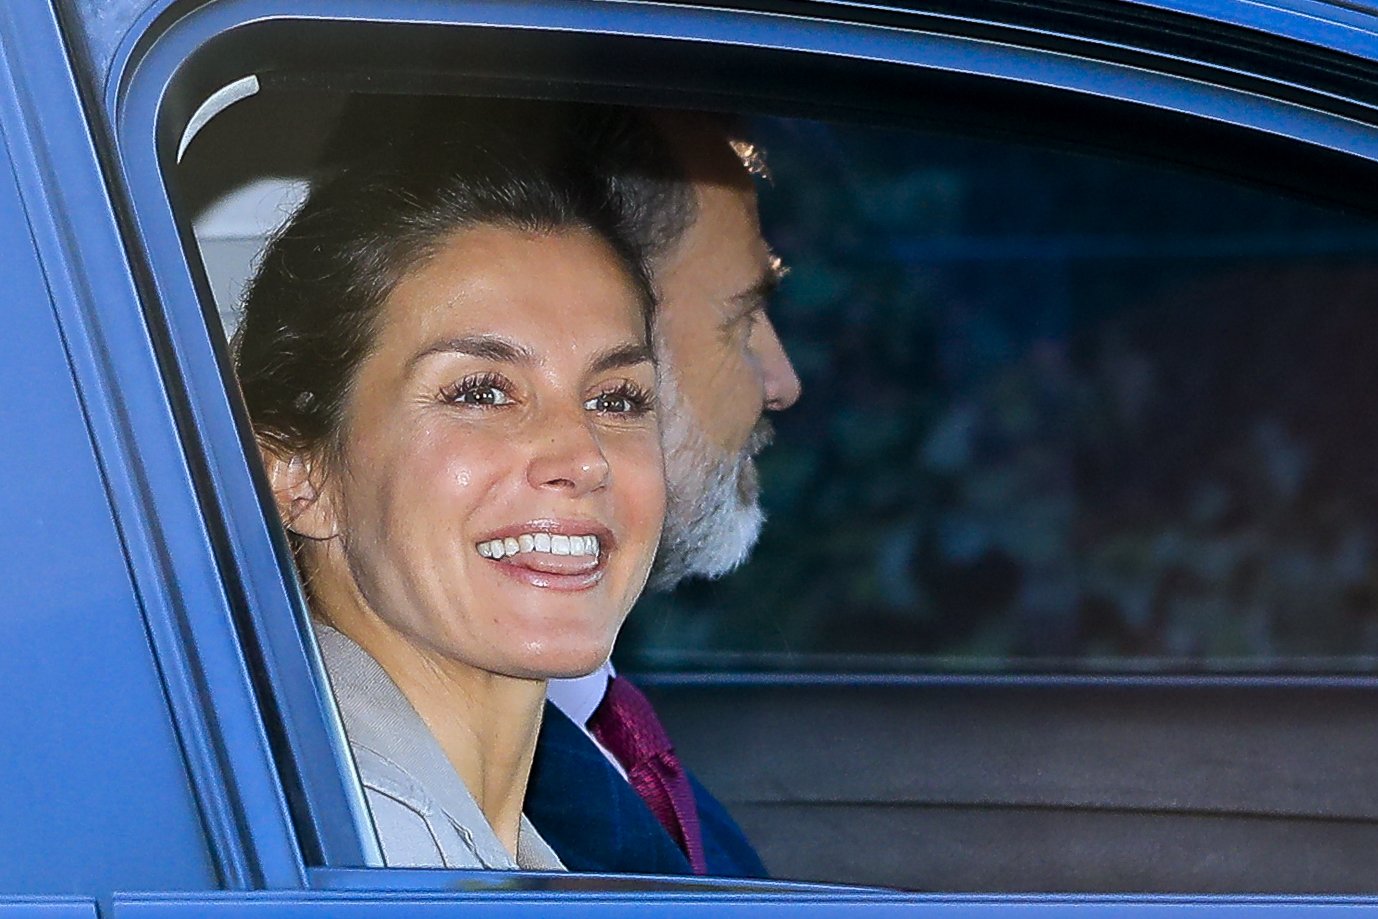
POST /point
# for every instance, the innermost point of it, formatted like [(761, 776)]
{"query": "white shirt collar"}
[(579, 697)]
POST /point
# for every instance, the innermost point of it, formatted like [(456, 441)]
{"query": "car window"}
[(1070, 405), (1061, 411), (1064, 410)]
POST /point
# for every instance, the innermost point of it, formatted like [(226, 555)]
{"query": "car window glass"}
[(1061, 410)]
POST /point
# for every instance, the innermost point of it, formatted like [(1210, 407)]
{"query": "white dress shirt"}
[(579, 697)]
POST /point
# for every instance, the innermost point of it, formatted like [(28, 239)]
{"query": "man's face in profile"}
[(722, 367)]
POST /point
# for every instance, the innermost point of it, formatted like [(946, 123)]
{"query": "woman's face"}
[(499, 491)]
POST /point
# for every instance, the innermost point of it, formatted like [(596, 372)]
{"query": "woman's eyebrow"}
[(626, 355), (486, 347), (502, 350)]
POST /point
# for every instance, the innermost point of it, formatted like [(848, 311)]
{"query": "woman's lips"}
[(553, 572), (553, 554)]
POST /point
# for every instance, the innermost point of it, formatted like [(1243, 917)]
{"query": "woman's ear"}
[(300, 495)]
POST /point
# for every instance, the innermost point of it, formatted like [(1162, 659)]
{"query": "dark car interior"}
[(1064, 586)]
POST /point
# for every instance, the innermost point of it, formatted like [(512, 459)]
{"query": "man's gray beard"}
[(713, 515)]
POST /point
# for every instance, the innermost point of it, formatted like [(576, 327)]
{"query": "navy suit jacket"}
[(597, 822)]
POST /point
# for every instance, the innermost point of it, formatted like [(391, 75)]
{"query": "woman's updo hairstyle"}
[(311, 311)]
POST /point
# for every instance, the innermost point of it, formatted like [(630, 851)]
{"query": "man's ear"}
[(298, 490)]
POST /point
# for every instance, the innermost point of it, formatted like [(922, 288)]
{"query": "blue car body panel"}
[(47, 908), (424, 906), (153, 775), (99, 786)]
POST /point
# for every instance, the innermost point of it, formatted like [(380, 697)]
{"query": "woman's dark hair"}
[(311, 311)]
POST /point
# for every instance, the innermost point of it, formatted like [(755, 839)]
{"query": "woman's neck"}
[(485, 723)]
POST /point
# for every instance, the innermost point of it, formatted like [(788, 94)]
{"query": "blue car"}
[(1069, 600)]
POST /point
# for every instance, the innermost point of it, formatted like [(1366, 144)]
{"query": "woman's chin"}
[(562, 661)]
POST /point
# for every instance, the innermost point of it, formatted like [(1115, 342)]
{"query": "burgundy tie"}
[(627, 725)]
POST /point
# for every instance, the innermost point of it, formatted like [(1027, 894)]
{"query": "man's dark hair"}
[(311, 310), (622, 146), (643, 174), (640, 154)]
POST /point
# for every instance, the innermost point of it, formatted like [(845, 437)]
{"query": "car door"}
[(96, 767), (925, 779)]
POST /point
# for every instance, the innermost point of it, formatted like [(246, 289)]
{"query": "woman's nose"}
[(568, 458)]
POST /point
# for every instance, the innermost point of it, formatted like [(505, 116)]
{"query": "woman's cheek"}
[(645, 479), (468, 455)]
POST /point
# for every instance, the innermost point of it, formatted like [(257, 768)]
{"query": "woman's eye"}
[(482, 391), (484, 395), (608, 402), (622, 401)]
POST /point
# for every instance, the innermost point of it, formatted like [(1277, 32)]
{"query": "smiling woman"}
[(447, 361)]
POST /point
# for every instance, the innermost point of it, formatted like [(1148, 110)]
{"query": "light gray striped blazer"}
[(422, 810)]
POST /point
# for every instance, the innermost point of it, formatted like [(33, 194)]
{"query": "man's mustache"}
[(762, 436)]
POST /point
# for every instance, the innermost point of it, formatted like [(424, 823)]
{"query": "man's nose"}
[(781, 383), (568, 457)]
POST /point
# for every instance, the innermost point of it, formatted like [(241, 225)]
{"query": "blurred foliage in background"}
[(1060, 412)]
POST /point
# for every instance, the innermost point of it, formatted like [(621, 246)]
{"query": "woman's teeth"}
[(555, 544)]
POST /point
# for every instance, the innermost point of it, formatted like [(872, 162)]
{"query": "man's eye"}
[(741, 327)]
